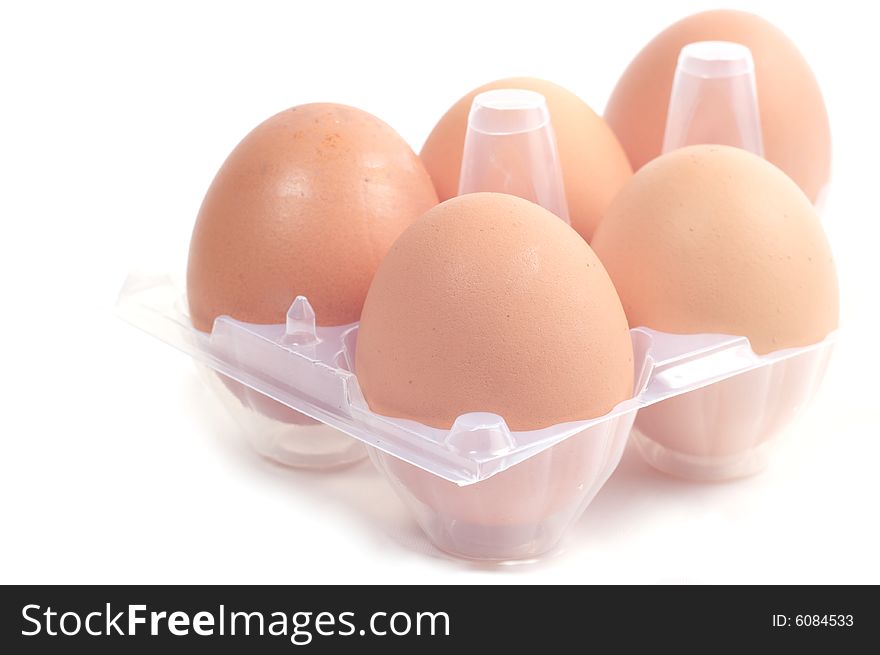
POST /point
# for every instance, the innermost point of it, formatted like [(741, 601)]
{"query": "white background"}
[(117, 466)]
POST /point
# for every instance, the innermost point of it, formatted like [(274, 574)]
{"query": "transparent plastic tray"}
[(478, 489), (704, 406)]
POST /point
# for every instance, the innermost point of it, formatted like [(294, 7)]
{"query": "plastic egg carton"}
[(704, 406)]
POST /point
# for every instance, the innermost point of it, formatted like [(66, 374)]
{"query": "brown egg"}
[(307, 204), (490, 303), (714, 239), (594, 166), (796, 134)]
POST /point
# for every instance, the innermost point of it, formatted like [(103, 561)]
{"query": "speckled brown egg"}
[(794, 121), (714, 239), (594, 165), (307, 204)]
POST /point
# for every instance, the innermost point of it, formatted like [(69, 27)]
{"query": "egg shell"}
[(594, 165), (796, 134), (307, 204), (490, 303), (714, 239)]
